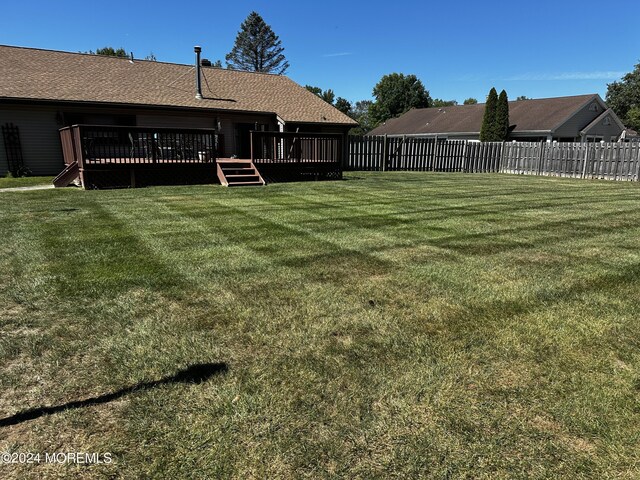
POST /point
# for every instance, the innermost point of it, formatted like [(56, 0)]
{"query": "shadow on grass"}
[(198, 373)]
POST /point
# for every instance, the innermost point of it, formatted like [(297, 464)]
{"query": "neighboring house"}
[(42, 91), (565, 119), (630, 135)]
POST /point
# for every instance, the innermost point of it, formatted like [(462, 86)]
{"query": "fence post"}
[(586, 159), (542, 146), (465, 159), (385, 152), (403, 151), (637, 164)]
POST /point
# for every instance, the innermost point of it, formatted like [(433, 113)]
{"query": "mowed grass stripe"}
[(391, 325)]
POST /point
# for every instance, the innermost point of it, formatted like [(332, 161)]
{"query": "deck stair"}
[(70, 174), (235, 172)]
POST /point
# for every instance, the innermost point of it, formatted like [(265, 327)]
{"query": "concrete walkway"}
[(24, 189)]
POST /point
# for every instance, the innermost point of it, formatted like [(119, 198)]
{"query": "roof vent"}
[(205, 62)]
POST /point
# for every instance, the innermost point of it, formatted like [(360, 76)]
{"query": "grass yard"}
[(11, 182), (392, 325)]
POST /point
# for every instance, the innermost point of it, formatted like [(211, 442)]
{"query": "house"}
[(42, 91), (565, 119)]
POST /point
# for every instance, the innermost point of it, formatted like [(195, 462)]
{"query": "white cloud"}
[(340, 54)]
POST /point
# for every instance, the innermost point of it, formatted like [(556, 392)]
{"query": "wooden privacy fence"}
[(610, 161)]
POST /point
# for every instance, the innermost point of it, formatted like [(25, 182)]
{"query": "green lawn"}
[(11, 182), (392, 325)]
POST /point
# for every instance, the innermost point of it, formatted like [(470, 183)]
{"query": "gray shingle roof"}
[(542, 115), (28, 73)]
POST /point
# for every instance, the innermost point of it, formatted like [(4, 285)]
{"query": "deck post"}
[(251, 144), (76, 132)]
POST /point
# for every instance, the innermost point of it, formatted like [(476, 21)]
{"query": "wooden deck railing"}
[(302, 148), (112, 145)]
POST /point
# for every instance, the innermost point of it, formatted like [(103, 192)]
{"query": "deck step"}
[(251, 175), (238, 172), (233, 160), (67, 176), (238, 184)]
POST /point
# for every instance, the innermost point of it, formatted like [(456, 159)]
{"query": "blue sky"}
[(458, 49)]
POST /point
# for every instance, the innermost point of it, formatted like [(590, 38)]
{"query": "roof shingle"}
[(543, 115), (35, 74)]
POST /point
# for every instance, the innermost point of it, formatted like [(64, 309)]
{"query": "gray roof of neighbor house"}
[(540, 115), (46, 75)]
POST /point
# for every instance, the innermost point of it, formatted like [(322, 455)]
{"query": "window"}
[(606, 121), (593, 107)]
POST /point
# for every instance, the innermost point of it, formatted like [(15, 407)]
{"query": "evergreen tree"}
[(343, 105), (326, 95), (502, 118), (257, 48), (487, 131)]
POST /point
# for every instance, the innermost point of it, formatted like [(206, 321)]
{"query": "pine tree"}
[(502, 118), (487, 131), (257, 48)]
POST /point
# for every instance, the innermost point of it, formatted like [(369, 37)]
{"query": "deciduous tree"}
[(624, 98), (110, 52), (360, 113), (470, 101), (395, 94), (438, 102)]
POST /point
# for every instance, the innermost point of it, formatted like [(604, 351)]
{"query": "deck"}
[(99, 156)]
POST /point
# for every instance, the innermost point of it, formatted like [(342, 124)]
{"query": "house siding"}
[(583, 117), (175, 121), (605, 131), (208, 120), (39, 138), (228, 125)]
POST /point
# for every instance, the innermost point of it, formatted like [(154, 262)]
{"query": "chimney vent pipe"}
[(198, 81)]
